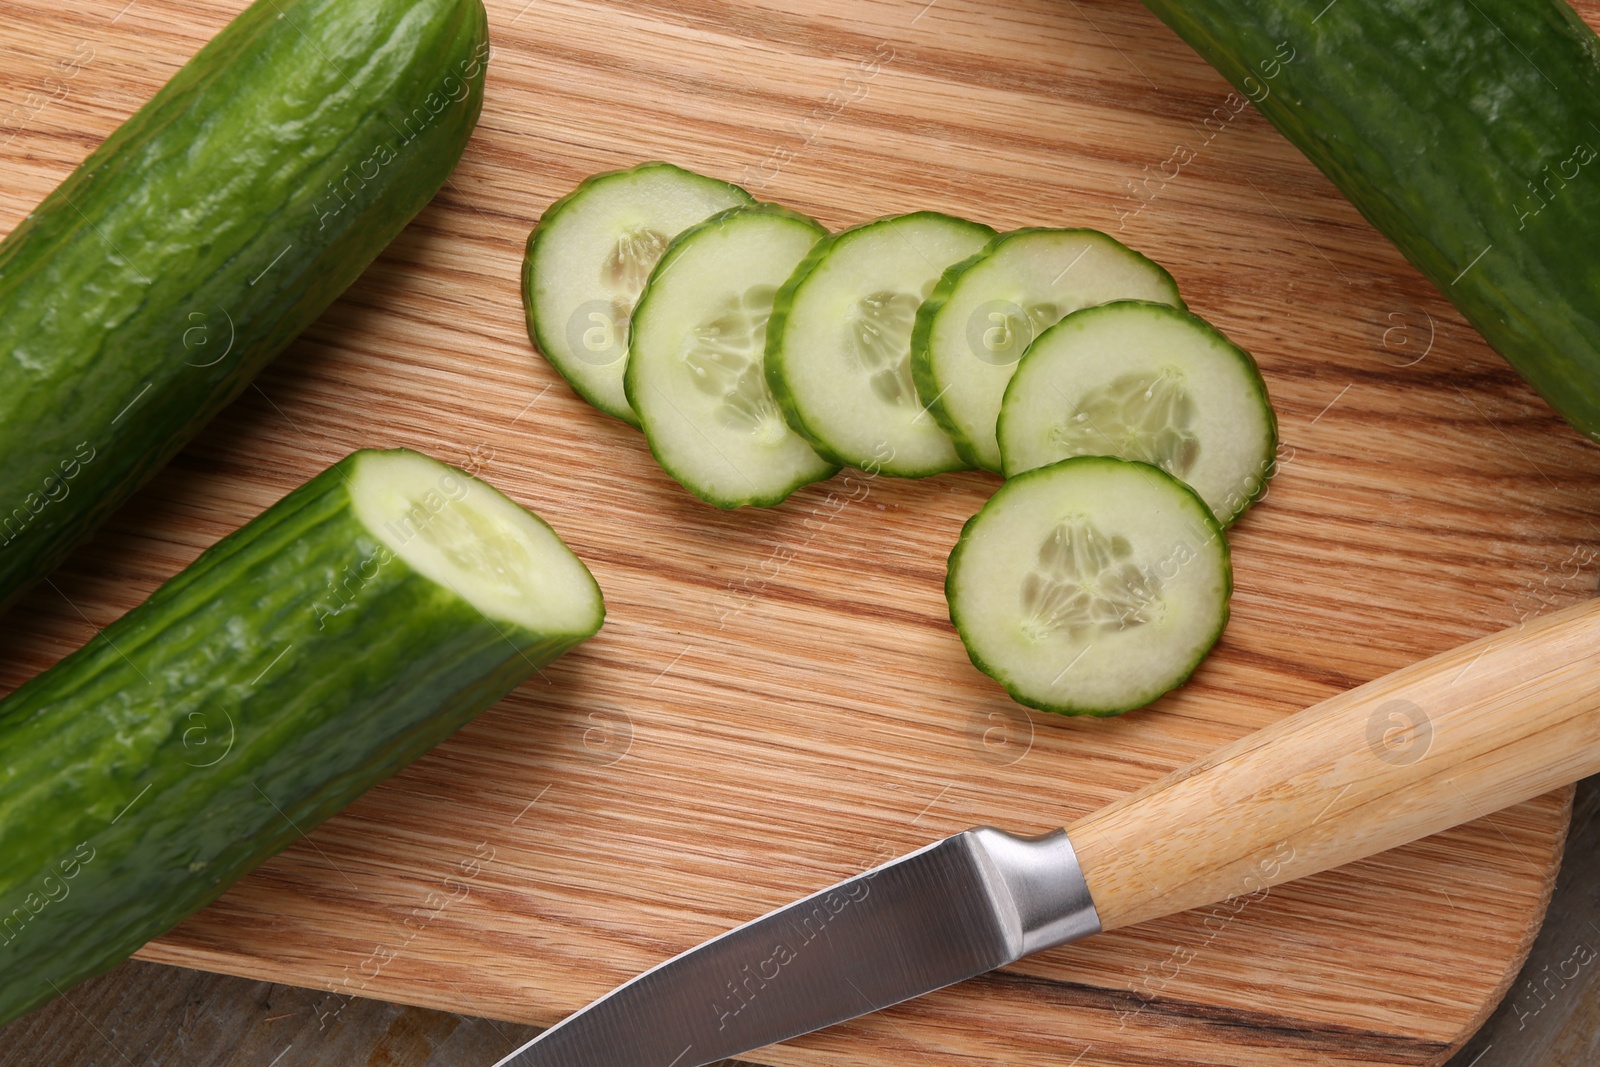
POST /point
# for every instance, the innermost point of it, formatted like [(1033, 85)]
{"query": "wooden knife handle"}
[(1442, 742)]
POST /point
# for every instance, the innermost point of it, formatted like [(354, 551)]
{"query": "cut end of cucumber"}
[(465, 535)]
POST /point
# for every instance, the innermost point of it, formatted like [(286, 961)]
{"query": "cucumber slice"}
[(839, 348), (1146, 382), (296, 663), (1090, 586), (987, 309), (695, 360), (590, 256)]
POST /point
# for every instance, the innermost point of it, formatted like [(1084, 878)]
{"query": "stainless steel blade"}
[(955, 909)]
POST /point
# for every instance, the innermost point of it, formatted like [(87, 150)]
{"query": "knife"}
[(1458, 736)]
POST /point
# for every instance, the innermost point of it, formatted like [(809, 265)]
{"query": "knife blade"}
[(945, 913), (1455, 737)]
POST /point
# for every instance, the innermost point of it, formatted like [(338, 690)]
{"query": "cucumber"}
[(204, 234), (988, 308), (297, 662), (839, 346), (1144, 381), (1468, 133), (588, 260), (1090, 586), (695, 359)]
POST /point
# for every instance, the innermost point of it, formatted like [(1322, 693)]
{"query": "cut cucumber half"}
[(839, 349), (296, 663), (1145, 382), (1090, 586), (985, 311), (695, 359), (589, 258)]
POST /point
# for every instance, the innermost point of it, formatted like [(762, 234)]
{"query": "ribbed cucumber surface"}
[(1147, 382), (296, 663), (987, 309), (839, 347), (211, 228), (695, 362), (589, 258), (1468, 133), (1090, 586)]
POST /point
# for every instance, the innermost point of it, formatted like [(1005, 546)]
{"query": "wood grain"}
[(146, 1013), (1472, 730), (777, 700)]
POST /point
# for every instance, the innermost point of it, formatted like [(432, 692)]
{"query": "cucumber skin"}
[(322, 725), (225, 168), (773, 365), (1420, 158), (630, 385), (628, 415), (921, 334), (970, 525)]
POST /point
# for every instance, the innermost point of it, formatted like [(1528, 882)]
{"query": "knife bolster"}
[(1037, 885)]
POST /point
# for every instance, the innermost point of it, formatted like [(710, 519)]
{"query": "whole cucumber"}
[(210, 229), (296, 663), (1469, 133)]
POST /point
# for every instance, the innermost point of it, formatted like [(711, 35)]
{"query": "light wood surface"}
[(777, 700), (1467, 732)]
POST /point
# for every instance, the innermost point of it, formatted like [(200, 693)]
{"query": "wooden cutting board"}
[(777, 700)]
